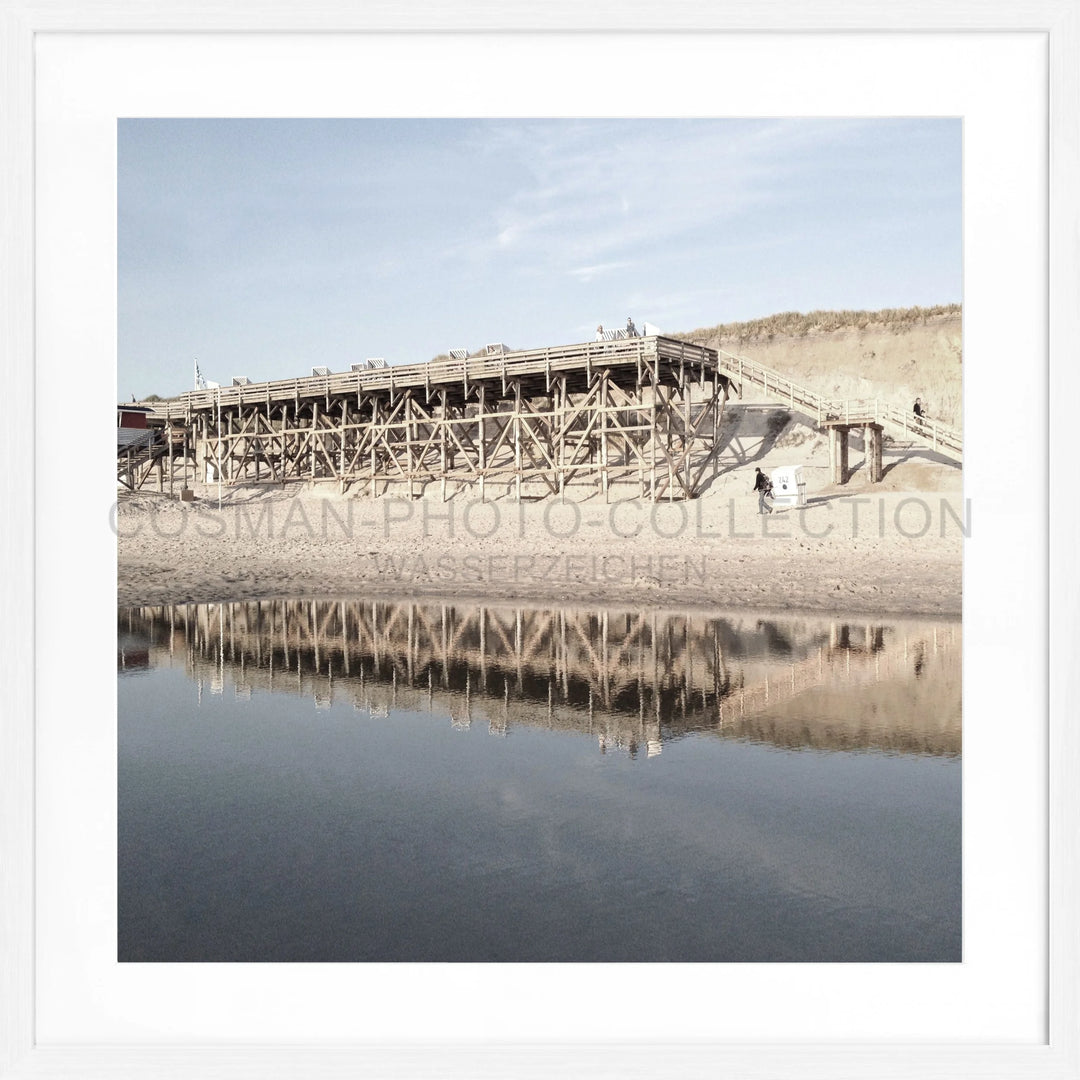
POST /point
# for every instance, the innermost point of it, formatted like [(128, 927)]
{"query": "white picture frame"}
[(20, 1053)]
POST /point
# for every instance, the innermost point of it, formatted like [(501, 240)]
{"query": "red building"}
[(131, 425)]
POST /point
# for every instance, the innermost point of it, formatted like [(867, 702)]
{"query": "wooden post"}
[(481, 440), (408, 446), (517, 438), (374, 421), (341, 446), (200, 447), (669, 440), (872, 451), (560, 411), (257, 443), (718, 417), (604, 480), (687, 429), (228, 449), (653, 445), (442, 442)]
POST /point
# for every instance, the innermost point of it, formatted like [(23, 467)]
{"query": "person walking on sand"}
[(763, 487)]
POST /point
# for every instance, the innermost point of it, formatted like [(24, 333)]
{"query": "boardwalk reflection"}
[(631, 679)]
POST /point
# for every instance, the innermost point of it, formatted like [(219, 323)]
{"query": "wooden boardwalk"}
[(645, 409)]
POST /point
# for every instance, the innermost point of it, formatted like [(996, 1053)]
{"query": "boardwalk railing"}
[(444, 372), (779, 387), (938, 436)]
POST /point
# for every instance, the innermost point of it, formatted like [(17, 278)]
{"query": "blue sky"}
[(264, 247)]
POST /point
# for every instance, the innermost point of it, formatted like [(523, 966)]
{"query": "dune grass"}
[(798, 324), (896, 354)]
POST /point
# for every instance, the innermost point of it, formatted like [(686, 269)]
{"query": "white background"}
[(996, 82)]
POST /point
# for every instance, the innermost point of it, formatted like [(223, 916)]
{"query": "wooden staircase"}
[(135, 461), (936, 436)]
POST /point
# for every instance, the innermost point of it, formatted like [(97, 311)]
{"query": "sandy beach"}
[(893, 547)]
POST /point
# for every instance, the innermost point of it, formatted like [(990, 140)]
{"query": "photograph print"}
[(539, 540)]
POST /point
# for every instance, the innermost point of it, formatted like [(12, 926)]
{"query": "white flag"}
[(200, 382)]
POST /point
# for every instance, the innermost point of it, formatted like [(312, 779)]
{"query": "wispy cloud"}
[(595, 194), (589, 273)]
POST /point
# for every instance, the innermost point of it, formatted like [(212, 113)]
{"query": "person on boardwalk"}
[(763, 487), (600, 332), (917, 409), (631, 329)]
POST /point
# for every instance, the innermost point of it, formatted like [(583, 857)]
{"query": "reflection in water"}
[(317, 781), (633, 680)]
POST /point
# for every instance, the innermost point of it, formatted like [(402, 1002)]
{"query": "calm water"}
[(351, 781)]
